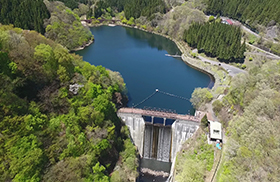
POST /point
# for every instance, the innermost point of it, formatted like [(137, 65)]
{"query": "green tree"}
[(131, 21), (14, 12), (98, 173), (47, 132), (216, 40), (263, 12), (27, 159), (200, 96), (211, 18), (65, 27), (204, 121)]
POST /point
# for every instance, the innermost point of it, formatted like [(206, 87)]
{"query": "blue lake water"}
[(140, 58)]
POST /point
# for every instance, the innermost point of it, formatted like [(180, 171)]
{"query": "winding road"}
[(232, 70), (269, 54)]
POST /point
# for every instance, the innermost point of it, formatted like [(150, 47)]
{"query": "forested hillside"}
[(73, 3), (64, 26), (53, 19), (27, 14), (216, 39), (132, 8), (250, 12), (251, 112), (58, 117), (175, 22), (195, 159)]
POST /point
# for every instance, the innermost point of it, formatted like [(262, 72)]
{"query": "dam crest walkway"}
[(197, 118)]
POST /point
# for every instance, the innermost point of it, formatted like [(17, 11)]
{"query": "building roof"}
[(229, 21), (215, 130)]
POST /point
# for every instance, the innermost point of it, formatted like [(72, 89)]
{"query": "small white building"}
[(215, 130)]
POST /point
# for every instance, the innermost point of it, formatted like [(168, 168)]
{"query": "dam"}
[(159, 135), (142, 60)]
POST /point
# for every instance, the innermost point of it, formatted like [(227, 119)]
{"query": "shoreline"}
[(213, 71), (83, 46), (192, 62)]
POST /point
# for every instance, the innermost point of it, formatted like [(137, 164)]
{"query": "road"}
[(232, 70), (248, 30), (254, 33), (236, 22), (269, 53), (260, 54)]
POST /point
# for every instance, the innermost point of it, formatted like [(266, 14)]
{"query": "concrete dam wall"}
[(136, 125), (158, 138)]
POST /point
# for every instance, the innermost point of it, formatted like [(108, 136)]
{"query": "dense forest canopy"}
[(216, 39), (73, 3), (250, 12), (27, 14), (64, 26), (53, 19), (132, 8), (251, 112), (48, 131)]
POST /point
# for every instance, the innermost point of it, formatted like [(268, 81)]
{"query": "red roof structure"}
[(229, 21)]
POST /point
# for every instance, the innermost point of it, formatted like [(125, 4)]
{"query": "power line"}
[(145, 99), (173, 95), (162, 92)]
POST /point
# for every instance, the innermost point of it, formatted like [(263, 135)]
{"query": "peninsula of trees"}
[(65, 28), (53, 19), (216, 40)]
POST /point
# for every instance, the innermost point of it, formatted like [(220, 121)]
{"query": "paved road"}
[(261, 54), (232, 70), (255, 34), (269, 53), (249, 30)]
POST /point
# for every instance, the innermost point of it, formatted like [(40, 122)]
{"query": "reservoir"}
[(141, 59)]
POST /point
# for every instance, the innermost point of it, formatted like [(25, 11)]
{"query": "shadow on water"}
[(154, 41)]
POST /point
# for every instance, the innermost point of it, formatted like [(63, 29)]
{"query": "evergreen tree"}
[(27, 14), (217, 40), (246, 11)]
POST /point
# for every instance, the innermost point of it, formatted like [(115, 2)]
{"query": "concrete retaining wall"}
[(181, 131)]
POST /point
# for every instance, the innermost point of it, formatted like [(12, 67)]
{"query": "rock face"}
[(75, 88)]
